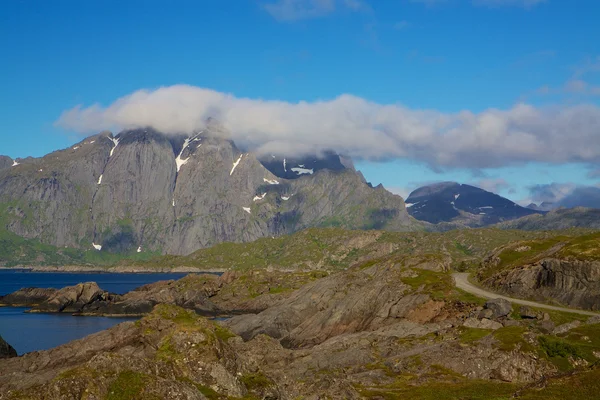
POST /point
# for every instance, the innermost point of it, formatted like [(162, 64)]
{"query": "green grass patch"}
[(470, 335), (511, 337), (129, 385)]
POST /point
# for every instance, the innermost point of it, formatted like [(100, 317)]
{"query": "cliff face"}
[(145, 191), (571, 282)]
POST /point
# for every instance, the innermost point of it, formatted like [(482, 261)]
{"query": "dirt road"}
[(462, 282)]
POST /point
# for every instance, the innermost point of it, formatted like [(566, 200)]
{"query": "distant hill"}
[(461, 204), (562, 218)]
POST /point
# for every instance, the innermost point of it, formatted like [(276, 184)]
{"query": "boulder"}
[(564, 328), (482, 324), (6, 350), (71, 298), (499, 307), (528, 313)]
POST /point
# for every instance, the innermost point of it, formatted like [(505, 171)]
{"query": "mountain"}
[(562, 218), (5, 162), (143, 191), (462, 205)]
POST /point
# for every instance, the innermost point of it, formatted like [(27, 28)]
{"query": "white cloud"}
[(493, 185), (360, 128), (294, 10)]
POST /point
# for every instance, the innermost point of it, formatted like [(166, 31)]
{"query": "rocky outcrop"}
[(191, 292), (346, 302), (27, 297), (71, 299), (571, 282), (173, 353), (5, 162), (142, 190), (6, 350)]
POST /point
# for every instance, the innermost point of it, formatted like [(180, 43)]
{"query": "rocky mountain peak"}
[(463, 204), (142, 190)]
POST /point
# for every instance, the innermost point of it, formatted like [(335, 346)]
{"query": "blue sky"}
[(444, 56)]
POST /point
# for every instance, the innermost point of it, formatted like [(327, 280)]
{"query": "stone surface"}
[(482, 324), (564, 328), (137, 195), (528, 313), (499, 307), (6, 350)]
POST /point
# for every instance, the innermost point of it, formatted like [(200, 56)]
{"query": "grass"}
[(511, 337), (470, 335), (462, 389), (128, 385), (255, 381)]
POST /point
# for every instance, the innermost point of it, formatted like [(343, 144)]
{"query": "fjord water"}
[(32, 332)]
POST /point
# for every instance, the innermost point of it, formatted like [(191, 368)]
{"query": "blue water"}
[(32, 332), (13, 280)]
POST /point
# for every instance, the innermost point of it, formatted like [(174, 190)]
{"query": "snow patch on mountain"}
[(301, 171), (178, 160), (97, 246), (100, 180), (257, 198), (235, 164), (247, 209), (271, 182), (116, 143)]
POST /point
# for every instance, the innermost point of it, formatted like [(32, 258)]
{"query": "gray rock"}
[(6, 350), (71, 299), (487, 313), (511, 322), (482, 324), (564, 328), (593, 320), (499, 307), (151, 192), (547, 326), (5, 162), (527, 313)]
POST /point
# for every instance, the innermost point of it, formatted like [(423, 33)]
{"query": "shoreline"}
[(114, 270)]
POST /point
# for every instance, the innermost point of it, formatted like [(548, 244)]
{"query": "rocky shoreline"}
[(114, 269)]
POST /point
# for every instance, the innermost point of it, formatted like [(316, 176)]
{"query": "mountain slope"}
[(563, 218), (145, 191), (462, 204)]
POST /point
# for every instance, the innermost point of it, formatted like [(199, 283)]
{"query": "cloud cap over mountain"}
[(360, 128)]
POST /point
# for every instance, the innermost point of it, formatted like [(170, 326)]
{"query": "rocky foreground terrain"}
[(373, 321)]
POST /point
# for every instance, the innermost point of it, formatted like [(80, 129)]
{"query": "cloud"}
[(294, 10), (360, 128), (550, 193), (493, 185)]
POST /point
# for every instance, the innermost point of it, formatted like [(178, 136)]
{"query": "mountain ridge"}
[(146, 191), (452, 202)]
